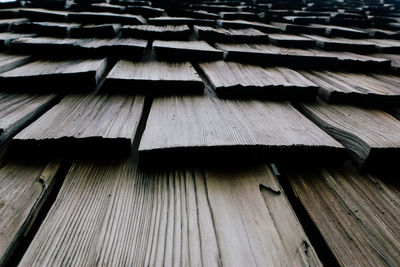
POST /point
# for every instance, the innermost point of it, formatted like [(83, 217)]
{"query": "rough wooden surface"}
[(290, 40), (297, 28), (114, 214), (168, 32), (56, 75), (339, 31), (305, 58), (187, 50), (7, 37), (356, 213), (11, 61), (96, 30), (370, 134), (236, 79), (242, 24), (116, 47), (344, 44), (230, 35), (45, 45), (93, 125), (153, 77), (354, 88), (206, 128), (24, 186), (44, 28), (105, 17), (181, 21)]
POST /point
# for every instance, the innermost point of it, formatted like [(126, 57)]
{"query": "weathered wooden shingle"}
[(242, 24), (236, 79), (153, 77), (24, 186), (344, 44), (11, 61), (84, 125), (206, 128), (96, 30), (105, 17), (371, 135), (116, 47), (56, 75), (356, 213), (114, 214), (290, 40), (230, 35), (355, 88), (186, 50), (45, 45), (7, 37), (168, 32), (162, 21)]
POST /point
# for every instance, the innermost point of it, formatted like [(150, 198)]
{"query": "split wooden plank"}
[(187, 50), (116, 47), (188, 217), (56, 75), (162, 21), (290, 40), (11, 61), (230, 35), (356, 213), (372, 136), (18, 109), (344, 44), (355, 88), (153, 77), (7, 37), (242, 80), (24, 187), (213, 129), (242, 24), (305, 58), (96, 30), (105, 17), (168, 32), (84, 125)]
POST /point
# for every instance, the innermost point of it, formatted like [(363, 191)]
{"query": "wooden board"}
[(11, 61), (243, 24), (116, 47), (18, 109), (84, 125), (46, 46), (99, 31), (105, 17), (355, 88), (216, 130), (386, 46), (60, 29), (5, 24), (7, 37), (242, 80), (56, 75), (394, 59), (168, 32), (144, 11), (114, 214), (305, 58), (40, 14), (186, 50), (344, 44), (372, 136), (339, 31), (297, 28), (290, 40), (162, 21), (356, 213), (24, 187), (153, 77), (230, 35)]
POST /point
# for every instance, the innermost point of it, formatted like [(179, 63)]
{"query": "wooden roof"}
[(205, 133)]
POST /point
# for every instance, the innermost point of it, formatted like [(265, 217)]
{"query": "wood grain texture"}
[(153, 77), (11, 61), (297, 28), (355, 88), (340, 31), (153, 32), (290, 40), (371, 135), (105, 17), (24, 186), (162, 21), (304, 58), (84, 125), (205, 128), (116, 47), (236, 79), (200, 217), (230, 35), (56, 75), (18, 109), (356, 213), (186, 50), (45, 45)]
